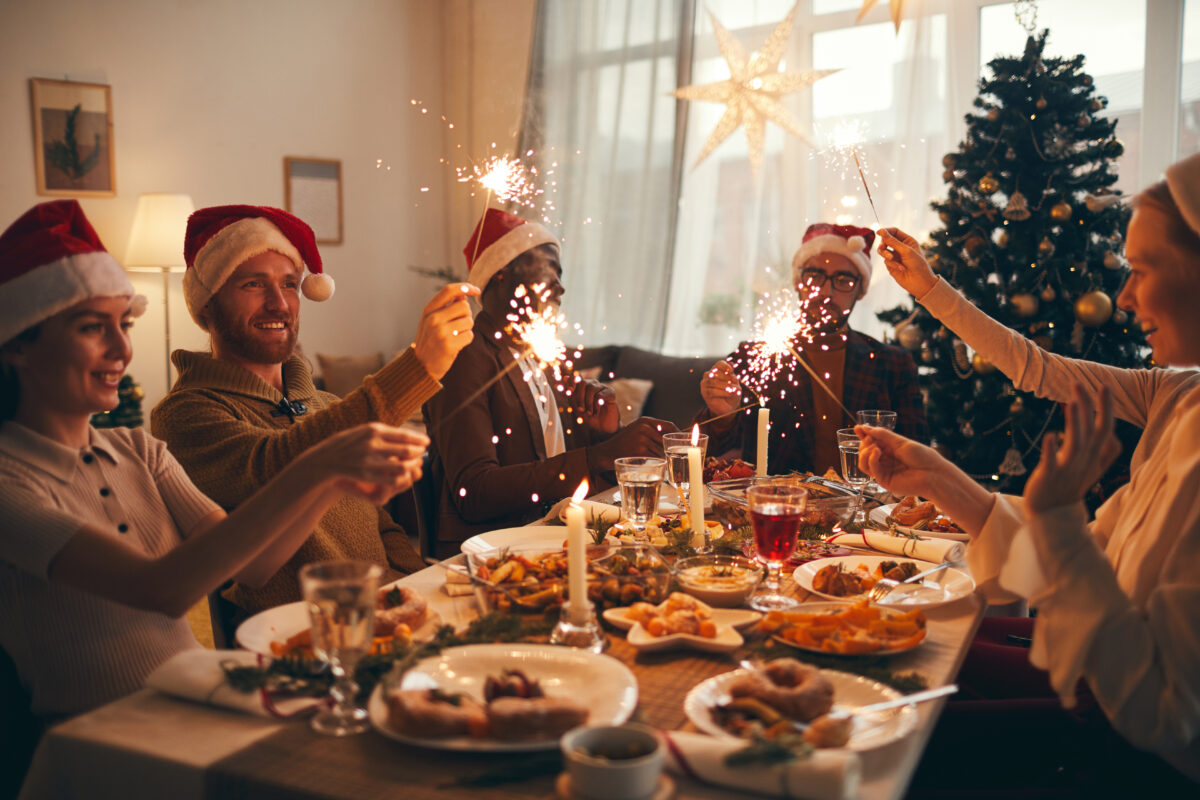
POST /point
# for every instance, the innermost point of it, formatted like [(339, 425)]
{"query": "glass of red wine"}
[(776, 507)]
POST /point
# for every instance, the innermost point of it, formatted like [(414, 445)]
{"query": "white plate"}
[(551, 537), (879, 519), (280, 623), (726, 641), (849, 692), (736, 618), (830, 608), (601, 683), (939, 589)]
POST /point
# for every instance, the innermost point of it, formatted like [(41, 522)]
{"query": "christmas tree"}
[(128, 413), (1032, 236)]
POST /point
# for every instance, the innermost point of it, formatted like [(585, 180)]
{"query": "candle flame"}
[(695, 434), (580, 492)]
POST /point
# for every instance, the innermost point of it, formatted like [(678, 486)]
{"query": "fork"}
[(884, 586)]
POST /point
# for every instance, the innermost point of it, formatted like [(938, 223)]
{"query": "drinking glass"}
[(776, 508), (676, 445), (848, 444), (880, 419), (641, 479), (340, 596)]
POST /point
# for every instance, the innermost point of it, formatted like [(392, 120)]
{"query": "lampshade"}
[(158, 228)]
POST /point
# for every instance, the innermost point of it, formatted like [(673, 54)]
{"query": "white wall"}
[(208, 97)]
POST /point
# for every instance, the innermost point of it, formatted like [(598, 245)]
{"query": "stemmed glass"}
[(676, 445), (776, 508), (879, 418), (641, 479), (848, 444), (340, 596)]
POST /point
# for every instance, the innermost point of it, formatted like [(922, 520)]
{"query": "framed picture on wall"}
[(312, 190), (73, 138)]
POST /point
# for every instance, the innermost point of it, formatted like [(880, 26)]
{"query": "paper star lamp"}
[(753, 92), (896, 7)]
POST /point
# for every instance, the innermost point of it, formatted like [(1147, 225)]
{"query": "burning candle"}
[(764, 419), (577, 557), (696, 487)]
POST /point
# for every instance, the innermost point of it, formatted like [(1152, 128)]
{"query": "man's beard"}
[(247, 349)]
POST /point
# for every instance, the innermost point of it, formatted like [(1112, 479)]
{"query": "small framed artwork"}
[(73, 138), (312, 190)]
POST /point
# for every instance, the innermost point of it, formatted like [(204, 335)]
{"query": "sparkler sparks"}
[(845, 141), (505, 178)]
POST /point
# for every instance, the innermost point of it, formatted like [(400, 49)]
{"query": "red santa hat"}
[(498, 239), (221, 238), (850, 241), (51, 259)]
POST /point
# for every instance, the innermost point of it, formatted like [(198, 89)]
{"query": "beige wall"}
[(210, 96)]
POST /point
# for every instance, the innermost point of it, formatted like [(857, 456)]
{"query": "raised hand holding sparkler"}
[(445, 328)]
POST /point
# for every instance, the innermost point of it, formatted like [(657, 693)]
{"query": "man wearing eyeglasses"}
[(831, 271)]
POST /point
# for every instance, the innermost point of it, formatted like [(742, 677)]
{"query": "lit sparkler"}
[(847, 137), (505, 178)]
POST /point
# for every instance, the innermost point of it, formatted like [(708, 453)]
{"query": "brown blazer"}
[(489, 456)]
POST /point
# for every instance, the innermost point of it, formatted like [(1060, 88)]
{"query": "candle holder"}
[(584, 632)]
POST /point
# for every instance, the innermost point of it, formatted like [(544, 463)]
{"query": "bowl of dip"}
[(721, 581)]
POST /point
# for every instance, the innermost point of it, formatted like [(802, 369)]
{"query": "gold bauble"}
[(993, 114), (948, 161), (910, 337), (1045, 247), (1041, 103), (1024, 304), (981, 364), (1114, 148), (136, 393), (1112, 260), (948, 175), (1017, 406), (1061, 211), (1048, 294), (1094, 308), (974, 244), (944, 215), (988, 184), (1002, 238)]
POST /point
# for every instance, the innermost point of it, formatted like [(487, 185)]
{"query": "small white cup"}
[(599, 770)]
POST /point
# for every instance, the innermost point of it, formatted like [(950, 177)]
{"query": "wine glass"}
[(879, 418), (848, 444), (340, 596), (676, 445), (776, 508), (641, 479)]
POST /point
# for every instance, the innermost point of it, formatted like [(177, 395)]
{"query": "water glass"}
[(848, 445), (341, 597), (878, 418), (641, 479), (676, 445), (776, 509)]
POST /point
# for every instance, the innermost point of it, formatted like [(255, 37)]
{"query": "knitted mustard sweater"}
[(223, 424)]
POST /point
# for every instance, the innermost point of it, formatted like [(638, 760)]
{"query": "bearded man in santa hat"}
[(830, 271), (504, 455), (236, 416)]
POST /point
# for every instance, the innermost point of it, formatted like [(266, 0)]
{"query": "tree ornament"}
[(1010, 154), (1097, 203), (948, 161), (1045, 247), (1099, 103), (1083, 121), (1093, 308), (1040, 104), (1012, 463), (1112, 260), (1061, 211), (982, 365), (1086, 79), (1048, 293), (974, 245), (1024, 304), (988, 184), (968, 430), (1120, 317), (944, 215), (1114, 148), (1018, 208), (942, 334), (927, 354), (1017, 406), (909, 337), (137, 393), (947, 176), (993, 114), (961, 360), (1002, 238)]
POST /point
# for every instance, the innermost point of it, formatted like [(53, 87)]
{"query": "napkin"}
[(458, 582), (934, 550), (197, 674), (825, 775)]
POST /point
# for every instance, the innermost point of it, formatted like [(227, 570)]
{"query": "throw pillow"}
[(631, 396), (344, 374)]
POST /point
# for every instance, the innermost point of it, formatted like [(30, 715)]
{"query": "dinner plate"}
[(944, 587), (878, 517), (280, 623), (849, 692), (736, 618), (830, 608), (550, 537), (602, 684)]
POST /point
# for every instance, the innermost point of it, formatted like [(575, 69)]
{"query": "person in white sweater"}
[(1117, 598)]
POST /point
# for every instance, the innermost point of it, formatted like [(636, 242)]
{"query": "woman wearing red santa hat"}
[(106, 542), (1117, 636)]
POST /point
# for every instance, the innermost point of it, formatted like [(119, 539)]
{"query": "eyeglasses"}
[(842, 281)]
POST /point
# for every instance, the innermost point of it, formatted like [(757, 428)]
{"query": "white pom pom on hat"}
[(318, 287)]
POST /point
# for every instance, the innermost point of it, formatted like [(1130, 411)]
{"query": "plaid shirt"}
[(876, 375)]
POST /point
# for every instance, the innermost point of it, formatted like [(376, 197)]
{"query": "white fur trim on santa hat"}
[(46, 290), (1183, 181), (502, 251), (854, 248), (228, 249)]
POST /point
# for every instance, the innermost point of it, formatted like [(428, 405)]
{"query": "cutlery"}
[(885, 585)]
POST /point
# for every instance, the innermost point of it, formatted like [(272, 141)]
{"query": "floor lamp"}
[(156, 245)]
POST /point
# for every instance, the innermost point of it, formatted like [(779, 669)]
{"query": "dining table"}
[(150, 744)]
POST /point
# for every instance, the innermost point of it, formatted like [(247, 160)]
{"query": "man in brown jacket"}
[(504, 455), (237, 416)]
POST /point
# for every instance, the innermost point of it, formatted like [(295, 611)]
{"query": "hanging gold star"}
[(896, 7), (752, 93)]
